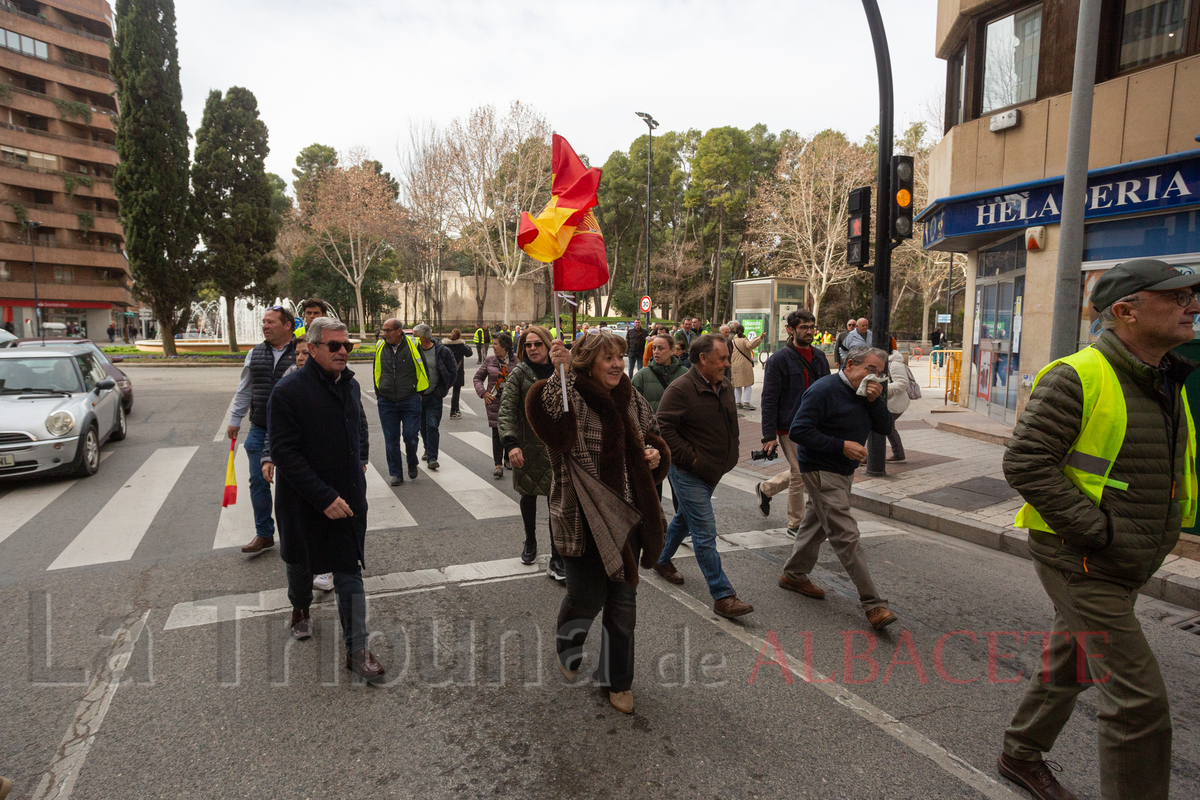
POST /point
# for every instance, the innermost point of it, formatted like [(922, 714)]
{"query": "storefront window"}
[(1010, 66), (1152, 30), (1143, 237), (1004, 257)]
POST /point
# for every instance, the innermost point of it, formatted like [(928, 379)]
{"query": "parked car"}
[(109, 363), (58, 407), (6, 337)]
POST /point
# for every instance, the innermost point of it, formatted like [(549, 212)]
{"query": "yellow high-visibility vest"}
[(418, 362), (1091, 457), (478, 336)]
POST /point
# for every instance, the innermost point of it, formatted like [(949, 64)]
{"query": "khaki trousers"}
[(1133, 721), (827, 516), (791, 480)]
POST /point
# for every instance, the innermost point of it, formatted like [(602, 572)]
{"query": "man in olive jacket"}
[(1104, 505), (699, 423)]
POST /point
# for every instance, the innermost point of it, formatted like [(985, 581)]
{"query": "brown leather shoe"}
[(805, 587), (1034, 776), (258, 544), (621, 701), (730, 607), (668, 571), (880, 617), (364, 665), (301, 624)]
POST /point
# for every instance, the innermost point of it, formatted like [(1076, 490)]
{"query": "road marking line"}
[(463, 407), (480, 441), (223, 431), (115, 533), (737, 480), (236, 525), (59, 779), (917, 742), (24, 503), (478, 496), (384, 509), (275, 601)]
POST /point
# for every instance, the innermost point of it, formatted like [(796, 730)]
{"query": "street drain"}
[(1190, 624)]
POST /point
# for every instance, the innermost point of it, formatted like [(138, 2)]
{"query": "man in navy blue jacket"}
[(830, 430), (790, 371)]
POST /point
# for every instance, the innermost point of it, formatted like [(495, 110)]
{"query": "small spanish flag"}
[(230, 478)]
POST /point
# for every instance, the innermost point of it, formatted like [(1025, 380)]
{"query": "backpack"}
[(914, 391)]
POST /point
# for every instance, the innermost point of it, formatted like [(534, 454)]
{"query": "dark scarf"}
[(541, 371)]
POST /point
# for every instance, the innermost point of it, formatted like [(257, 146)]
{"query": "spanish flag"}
[(230, 478), (566, 232)]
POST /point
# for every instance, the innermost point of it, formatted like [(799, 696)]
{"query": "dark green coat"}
[(1126, 538), (534, 477), (650, 387)]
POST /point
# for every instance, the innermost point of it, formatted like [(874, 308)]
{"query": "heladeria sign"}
[(1166, 182)]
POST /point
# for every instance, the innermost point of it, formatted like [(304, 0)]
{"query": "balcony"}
[(59, 137), (95, 256), (48, 290)]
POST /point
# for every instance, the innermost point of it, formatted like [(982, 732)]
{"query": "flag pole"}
[(562, 370)]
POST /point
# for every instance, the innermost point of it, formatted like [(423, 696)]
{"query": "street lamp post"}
[(651, 123), (37, 311)]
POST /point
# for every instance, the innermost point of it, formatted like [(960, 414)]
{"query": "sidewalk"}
[(952, 483)]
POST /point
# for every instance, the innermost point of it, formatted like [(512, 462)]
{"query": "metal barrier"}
[(945, 367)]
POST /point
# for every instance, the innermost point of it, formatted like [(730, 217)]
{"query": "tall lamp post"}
[(30, 226), (651, 123)]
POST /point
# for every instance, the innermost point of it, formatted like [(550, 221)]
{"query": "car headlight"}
[(123, 383), (60, 423)]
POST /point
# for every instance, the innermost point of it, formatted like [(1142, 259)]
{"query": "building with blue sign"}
[(997, 173)]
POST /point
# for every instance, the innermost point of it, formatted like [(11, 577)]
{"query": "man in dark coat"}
[(635, 340), (440, 369), (790, 371), (318, 435)]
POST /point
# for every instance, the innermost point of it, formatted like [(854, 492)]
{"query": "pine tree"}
[(233, 200), (151, 180)]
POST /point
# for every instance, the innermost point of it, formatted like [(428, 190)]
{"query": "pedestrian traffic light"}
[(902, 197), (858, 243)]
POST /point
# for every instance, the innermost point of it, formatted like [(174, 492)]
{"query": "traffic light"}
[(902, 197), (858, 243)]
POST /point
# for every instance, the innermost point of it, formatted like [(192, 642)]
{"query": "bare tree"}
[(425, 190), (498, 166), (352, 220), (798, 221)]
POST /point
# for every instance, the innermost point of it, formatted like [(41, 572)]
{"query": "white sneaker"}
[(323, 582)]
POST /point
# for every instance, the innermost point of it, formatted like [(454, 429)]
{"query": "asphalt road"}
[(147, 659)]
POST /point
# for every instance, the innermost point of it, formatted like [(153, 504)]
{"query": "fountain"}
[(205, 325)]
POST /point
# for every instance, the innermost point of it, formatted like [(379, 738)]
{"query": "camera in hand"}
[(763, 455)]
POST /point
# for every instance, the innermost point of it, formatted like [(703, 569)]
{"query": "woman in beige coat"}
[(741, 363)]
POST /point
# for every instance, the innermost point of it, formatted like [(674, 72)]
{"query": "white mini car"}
[(57, 407)]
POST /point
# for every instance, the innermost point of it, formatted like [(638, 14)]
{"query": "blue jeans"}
[(351, 602), (635, 363), (431, 420), (395, 415), (260, 490), (695, 516)]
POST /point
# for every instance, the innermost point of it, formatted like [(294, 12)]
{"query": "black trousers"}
[(529, 517), (497, 448), (454, 393), (588, 590)]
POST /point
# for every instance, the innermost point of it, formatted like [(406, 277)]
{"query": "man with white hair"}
[(440, 367), (320, 446)]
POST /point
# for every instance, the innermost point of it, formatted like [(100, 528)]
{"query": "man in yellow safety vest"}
[(1105, 456), (400, 377), (482, 339)]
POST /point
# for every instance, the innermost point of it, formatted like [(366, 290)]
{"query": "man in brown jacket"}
[(698, 421)]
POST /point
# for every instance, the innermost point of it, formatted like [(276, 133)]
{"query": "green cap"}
[(1134, 276)]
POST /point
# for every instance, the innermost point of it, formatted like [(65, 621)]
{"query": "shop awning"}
[(968, 221)]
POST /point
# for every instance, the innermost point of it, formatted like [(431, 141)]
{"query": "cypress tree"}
[(151, 180), (233, 199)]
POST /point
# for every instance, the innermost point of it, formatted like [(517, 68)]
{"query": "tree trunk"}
[(230, 328), (358, 304), (925, 322), (816, 305), (507, 299), (717, 270), (166, 329)]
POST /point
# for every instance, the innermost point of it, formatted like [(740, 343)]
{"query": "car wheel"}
[(128, 407), (122, 427), (89, 458)]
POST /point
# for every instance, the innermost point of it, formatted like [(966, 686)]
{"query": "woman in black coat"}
[(459, 347)]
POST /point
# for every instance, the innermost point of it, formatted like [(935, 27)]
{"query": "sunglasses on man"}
[(335, 346)]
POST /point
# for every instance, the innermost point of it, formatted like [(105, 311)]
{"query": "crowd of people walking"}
[(600, 423)]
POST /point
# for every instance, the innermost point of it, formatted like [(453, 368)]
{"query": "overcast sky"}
[(358, 72)]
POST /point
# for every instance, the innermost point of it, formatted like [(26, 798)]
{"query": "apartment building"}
[(997, 173), (57, 154)]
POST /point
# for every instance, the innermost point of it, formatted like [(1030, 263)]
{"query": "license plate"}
[(7, 460)]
